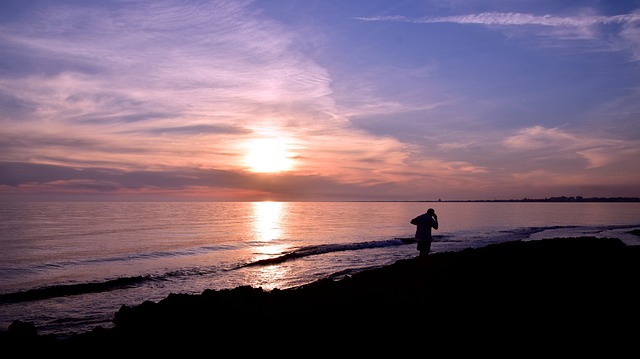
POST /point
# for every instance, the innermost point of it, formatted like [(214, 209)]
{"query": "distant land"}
[(549, 199), (564, 199)]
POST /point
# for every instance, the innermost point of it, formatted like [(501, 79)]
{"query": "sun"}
[(268, 155)]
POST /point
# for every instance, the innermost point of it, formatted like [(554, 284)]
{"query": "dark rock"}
[(20, 329)]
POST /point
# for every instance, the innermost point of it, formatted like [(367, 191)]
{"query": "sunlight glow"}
[(268, 155)]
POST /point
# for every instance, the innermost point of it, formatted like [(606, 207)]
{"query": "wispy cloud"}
[(554, 144), (538, 137), (497, 18), (579, 27)]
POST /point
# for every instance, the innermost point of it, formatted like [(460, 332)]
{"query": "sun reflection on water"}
[(268, 220), (268, 228)]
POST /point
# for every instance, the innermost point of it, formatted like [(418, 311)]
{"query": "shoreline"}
[(562, 287)]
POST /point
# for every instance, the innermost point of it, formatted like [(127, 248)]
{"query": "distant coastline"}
[(549, 199)]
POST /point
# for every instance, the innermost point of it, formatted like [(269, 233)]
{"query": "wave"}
[(447, 242), (331, 248), (119, 283), (71, 289), (500, 236), (133, 257)]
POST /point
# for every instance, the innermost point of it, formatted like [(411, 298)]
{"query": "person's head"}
[(431, 211)]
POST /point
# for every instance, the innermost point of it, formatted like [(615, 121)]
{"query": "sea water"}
[(69, 266)]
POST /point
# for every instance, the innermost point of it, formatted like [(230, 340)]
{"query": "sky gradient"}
[(321, 100)]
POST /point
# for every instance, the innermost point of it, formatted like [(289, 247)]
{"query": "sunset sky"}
[(319, 100)]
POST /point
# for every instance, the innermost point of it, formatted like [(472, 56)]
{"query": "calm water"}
[(69, 267)]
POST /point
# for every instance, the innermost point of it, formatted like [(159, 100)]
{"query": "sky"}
[(319, 100)]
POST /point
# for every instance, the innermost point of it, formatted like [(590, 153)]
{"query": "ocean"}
[(69, 266)]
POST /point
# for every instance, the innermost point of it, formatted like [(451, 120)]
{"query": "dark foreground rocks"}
[(558, 296)]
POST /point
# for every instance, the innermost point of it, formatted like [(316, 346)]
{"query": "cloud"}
[(539, 137), (154, 84), (631, 38), (197, 129), (448, 146), (165, 97), (579, 27), (613, 152), (540, 143), (497, 18), (204, 184)]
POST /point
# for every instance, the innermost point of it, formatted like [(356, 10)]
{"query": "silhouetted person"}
[(424, 223)]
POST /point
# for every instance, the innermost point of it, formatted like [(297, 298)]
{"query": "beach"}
[(68, 273), (563, 293)]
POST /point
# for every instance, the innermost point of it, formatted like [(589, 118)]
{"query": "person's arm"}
[(435, 221)]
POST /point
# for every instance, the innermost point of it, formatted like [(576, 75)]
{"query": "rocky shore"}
[(571, 295)]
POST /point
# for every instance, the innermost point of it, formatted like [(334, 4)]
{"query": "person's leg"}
[(427, 246), (423, 258)]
